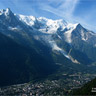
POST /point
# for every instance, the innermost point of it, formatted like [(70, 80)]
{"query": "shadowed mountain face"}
[(31, 48), (88, 89), (19, 64)]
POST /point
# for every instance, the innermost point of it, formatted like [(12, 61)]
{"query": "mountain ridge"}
[(43, 30)]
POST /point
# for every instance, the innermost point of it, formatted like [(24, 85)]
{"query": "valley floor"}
[(62, 86)]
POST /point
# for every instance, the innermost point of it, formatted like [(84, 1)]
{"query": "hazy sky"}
[(75, 11)]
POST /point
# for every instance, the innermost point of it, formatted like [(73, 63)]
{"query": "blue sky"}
[(75, 11)]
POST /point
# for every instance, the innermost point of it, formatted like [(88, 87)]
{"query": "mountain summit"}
[(5, 12)]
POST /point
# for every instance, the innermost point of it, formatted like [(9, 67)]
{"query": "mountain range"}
[(33, 48)]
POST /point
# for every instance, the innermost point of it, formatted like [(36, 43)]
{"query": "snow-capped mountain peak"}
[(29, 20), (46, 25), (51, 25), (68, 34), (50, 22), (43, 22), (6, 12)]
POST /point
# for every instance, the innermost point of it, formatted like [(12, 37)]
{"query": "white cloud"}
[(64, 8)]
